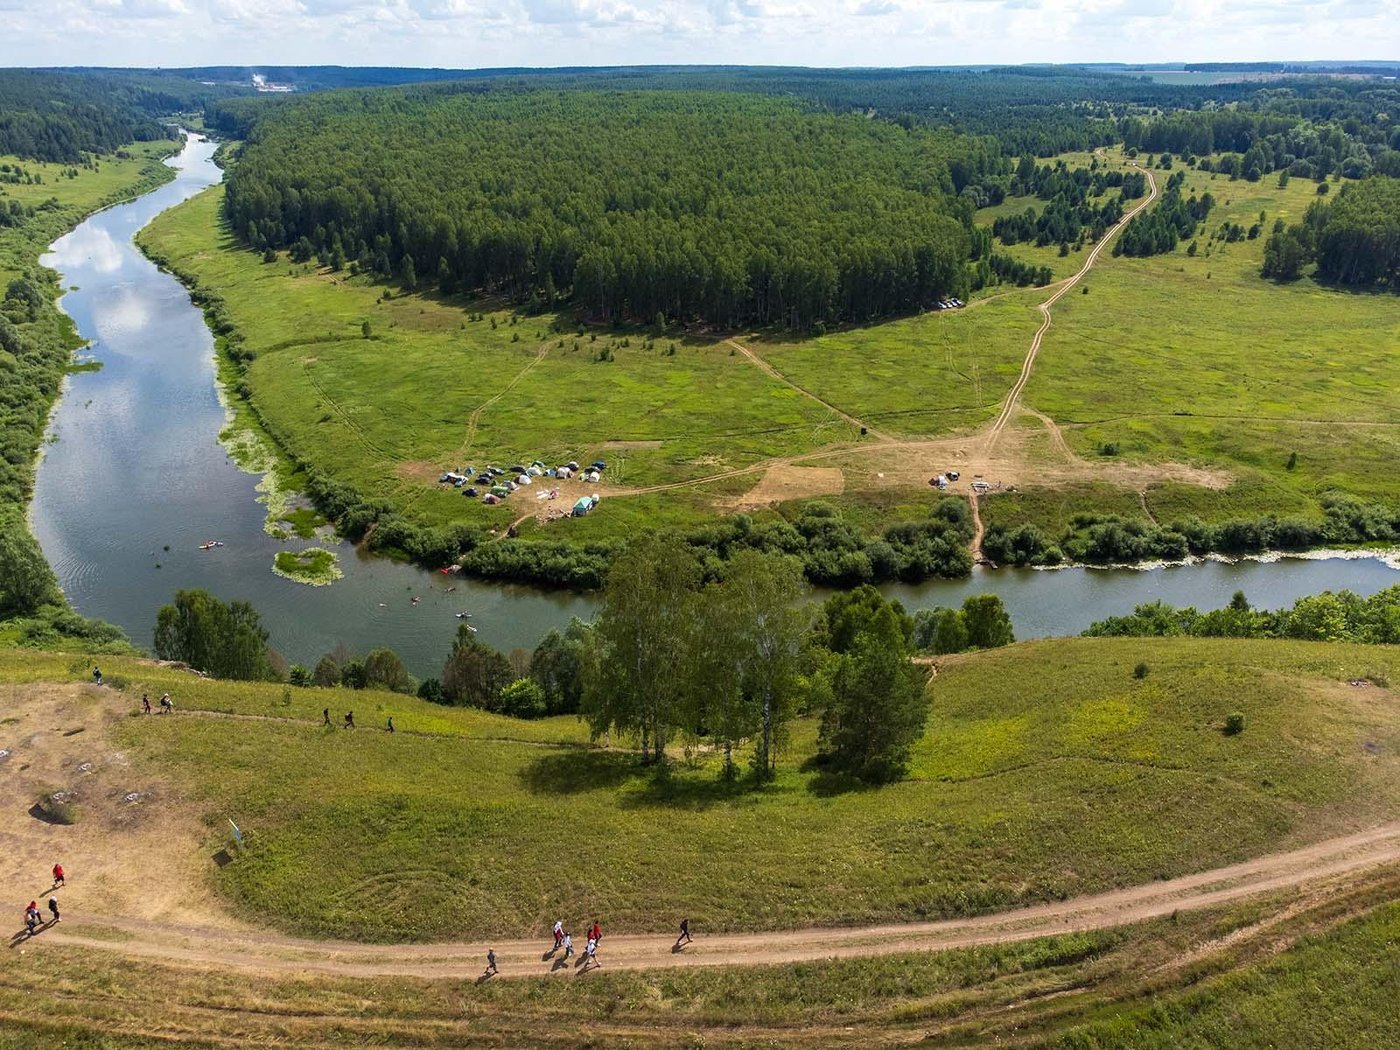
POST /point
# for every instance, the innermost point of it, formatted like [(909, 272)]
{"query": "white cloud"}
[(482, 33)]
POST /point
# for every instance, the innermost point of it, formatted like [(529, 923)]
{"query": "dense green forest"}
[(734, 209), (1355, 240), (59, 117)]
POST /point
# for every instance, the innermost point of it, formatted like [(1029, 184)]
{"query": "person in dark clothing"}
[(326, 714), (145, 703), (390, 727), (97, 675), (31, 917), (349, 719), (684, 937), (53, 908), (491, 966)]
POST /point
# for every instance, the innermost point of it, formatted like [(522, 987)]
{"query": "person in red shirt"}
[(597, 932), (58, 875)]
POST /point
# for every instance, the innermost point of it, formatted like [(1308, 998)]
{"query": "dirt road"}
[(216, 947), (1009, 406)]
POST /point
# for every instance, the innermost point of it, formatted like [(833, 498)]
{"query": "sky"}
[(492, 33)]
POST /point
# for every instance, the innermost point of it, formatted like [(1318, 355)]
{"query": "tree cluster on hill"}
[(1171, 220), (725, 663), (727, 208), (1328, 617), (981, 623), (223, 639), (1355, 239)]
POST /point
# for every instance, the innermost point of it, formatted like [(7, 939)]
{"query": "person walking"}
[(684, 937), (558, 933), (145, 703), (590, 954), (58, 875), (166, 704), (390, 727), (491, 967), (97, 675), (31, 917), (349, 719), (568, 946), (326, 714), (53, 908), (596, 933)]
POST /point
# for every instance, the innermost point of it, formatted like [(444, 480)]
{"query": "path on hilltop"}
[(222, 948)]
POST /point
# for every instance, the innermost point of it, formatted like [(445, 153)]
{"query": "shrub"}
[(1234, 723), (57, 807), (1140, 671)]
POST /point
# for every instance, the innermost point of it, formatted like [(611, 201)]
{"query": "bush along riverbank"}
[(1108, 539), (37, 343)]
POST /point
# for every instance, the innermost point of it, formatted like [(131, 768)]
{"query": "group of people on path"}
[(166, 705), (350, 720), (33, 917), (564, 940)]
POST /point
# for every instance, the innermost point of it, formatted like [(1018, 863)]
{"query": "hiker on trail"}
[(349, 719), (591, 954), (390, 727), (595, 934), (166, 705), (97, 675), (58, 875), (558, 933), (31, 916), (568, 946), (145, 703), (326, 714), (53, 908), (491, 966), (685, 933)]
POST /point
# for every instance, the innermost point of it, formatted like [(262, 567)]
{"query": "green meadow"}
[(1047, 770)]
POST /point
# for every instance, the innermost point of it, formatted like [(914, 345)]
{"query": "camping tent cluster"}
[(496, 484)]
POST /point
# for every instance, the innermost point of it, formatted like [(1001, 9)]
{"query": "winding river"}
[(134, 478)]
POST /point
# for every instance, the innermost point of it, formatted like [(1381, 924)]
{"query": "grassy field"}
[(1198, 358), (1047, 771), (432, 389)]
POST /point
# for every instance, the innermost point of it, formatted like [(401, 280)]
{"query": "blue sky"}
[(483, 33)]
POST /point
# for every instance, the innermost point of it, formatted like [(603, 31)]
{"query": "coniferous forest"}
[(727, 208)]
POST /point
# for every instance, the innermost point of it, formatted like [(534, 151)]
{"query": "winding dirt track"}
[(207, 947), (1008, 408)]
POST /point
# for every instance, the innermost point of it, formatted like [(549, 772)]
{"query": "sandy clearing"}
[(785, 482)]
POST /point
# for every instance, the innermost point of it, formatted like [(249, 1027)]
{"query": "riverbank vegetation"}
[(1327, 617)]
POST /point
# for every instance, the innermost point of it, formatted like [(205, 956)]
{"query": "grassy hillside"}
[(1048, 770)]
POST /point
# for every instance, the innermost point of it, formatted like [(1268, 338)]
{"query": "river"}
[(133, 479)]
